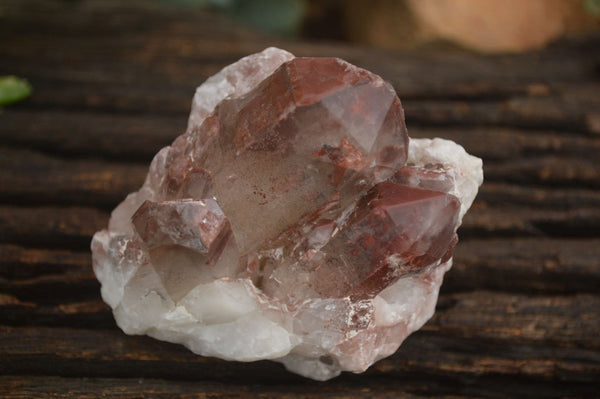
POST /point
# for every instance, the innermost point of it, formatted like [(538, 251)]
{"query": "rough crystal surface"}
[(292, 221)]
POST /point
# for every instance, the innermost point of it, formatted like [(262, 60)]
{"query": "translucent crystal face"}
[(289, 147), (288, 207)]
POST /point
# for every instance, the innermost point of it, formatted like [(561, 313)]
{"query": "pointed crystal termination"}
[(314, 129), (292, 221), (396, 230)]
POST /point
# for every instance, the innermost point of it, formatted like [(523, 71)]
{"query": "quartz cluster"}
[(294, 220)]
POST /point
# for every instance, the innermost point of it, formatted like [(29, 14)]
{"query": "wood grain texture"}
[(49, 387), (518, 315)]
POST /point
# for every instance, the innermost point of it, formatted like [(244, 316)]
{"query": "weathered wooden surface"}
[(518, 316)]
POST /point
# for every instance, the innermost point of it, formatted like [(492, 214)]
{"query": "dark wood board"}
[(518, 315)]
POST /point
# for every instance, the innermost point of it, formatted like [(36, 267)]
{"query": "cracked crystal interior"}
[(292, 221)]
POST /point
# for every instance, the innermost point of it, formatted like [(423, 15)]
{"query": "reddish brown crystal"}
[(285, 163), (317, 127), (397, 230), (286, 223), (196, 225)]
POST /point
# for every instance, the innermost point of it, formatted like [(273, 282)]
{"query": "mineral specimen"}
[(292, 221)]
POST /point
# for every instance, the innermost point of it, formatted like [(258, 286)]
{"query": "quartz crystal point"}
[(292, 221)]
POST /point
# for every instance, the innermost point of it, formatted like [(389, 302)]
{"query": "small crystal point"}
[(395, 230), (292, 221), (199, 225)]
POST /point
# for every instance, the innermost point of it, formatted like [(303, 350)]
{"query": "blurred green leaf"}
[(592, 7), (188, 3), (13, 89), (282, 17), (199, 3)]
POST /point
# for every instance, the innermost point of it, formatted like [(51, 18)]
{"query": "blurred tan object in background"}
[(482, 25)]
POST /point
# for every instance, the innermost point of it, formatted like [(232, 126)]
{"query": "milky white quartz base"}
[(229, 318)]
